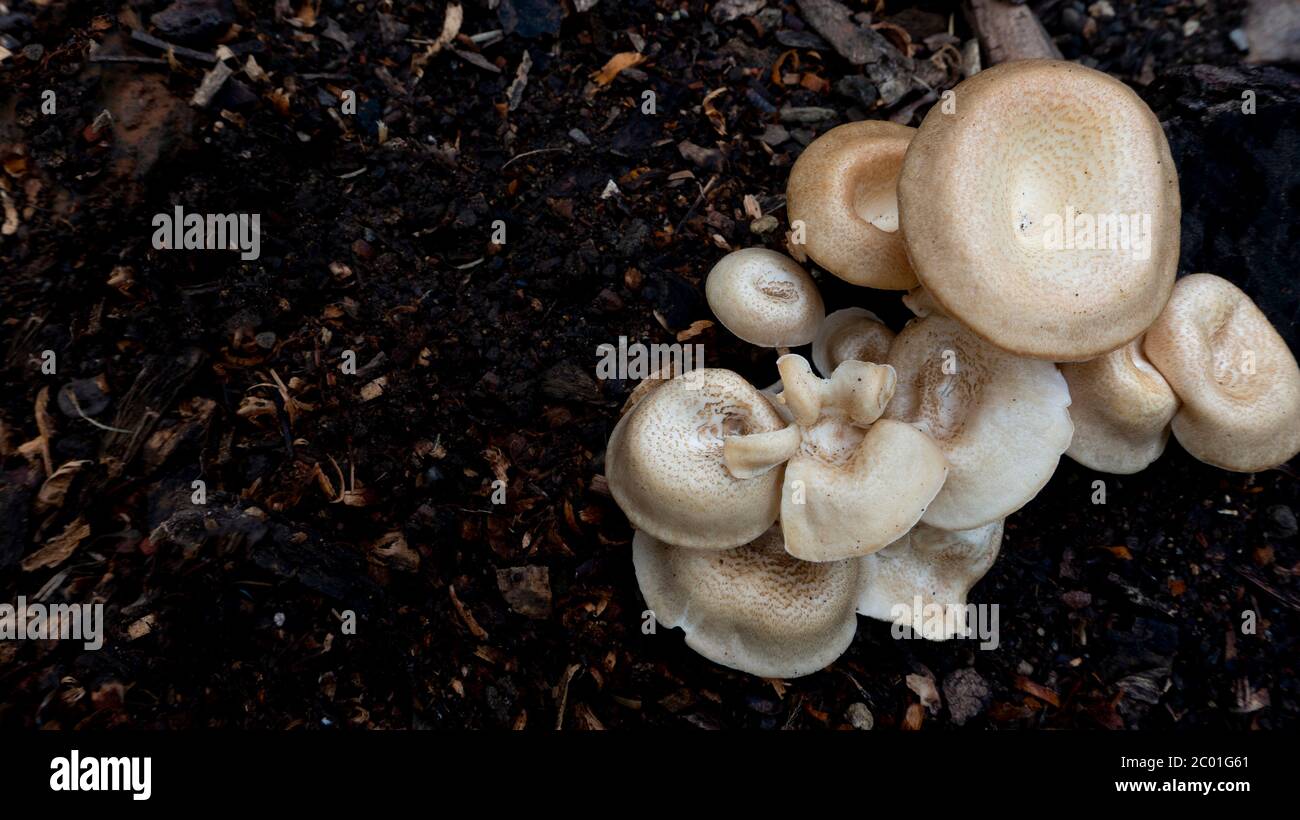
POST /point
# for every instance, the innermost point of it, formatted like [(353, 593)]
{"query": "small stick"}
[(180, 51)]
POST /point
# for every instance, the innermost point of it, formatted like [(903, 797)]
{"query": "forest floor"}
[(333, 494)]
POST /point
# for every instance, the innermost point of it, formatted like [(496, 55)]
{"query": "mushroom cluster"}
[(880, 474)]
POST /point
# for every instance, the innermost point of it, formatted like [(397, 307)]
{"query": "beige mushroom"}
[(928, 569), (1002, 421), (1238, 381), (765, 298), (1042, 210), (843, 188), (856, 482), (753, 608), (1121, 408), (851, 334), (921, 303), (666, 464)]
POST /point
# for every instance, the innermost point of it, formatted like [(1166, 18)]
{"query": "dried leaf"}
[(618, 63), (58, 548)]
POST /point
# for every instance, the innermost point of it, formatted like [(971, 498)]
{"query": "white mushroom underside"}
[(930, 567), (1001, 420)]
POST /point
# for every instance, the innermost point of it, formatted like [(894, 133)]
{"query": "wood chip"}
[(616, 65)]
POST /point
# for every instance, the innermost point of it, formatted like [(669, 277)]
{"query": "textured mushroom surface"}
[(932, 567), (753, 608), (765, 298), (1121, 408), (666, 468), (844, 188), (851, 334), (1002, 421), (1237, 379), (996, 198)]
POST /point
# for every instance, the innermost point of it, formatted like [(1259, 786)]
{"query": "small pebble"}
[(860, 716)]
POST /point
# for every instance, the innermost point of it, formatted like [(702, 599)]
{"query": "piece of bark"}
[(1009, 32)]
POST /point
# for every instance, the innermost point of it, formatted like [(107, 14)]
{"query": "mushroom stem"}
[(803, 390), (859, 389), (862, 390), (753, 455)]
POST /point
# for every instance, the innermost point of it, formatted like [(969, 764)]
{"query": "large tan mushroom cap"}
[(1002, 421), (985, 189), (937, 567), (844, 188), (851, 334), (753, 608), (765, 298), (666, 466), (1238, 381), (1121, 408)]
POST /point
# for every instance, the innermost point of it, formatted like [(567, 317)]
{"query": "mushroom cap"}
[(851, 334), (765, 298), (844, 187), (937, 566), (1121, 408), (753, 608), (666, 467), (849, 492), (1002, 421), (1030, 145), (1237, 379)]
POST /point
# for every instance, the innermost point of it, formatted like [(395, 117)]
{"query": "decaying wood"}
[(1008, 32)]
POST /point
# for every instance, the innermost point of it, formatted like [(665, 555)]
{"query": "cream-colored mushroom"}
[(1042, 209), (921, 303), (1236, 377), (844, 190), (666, 462), (1002, 421), (765, 298), (928, 572), (851, 334), (1121, 408), (753, 608), (857, 482)]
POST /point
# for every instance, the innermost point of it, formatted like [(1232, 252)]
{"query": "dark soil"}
[(372, 492)]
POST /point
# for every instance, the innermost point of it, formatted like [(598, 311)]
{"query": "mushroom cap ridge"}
[(844, 189)]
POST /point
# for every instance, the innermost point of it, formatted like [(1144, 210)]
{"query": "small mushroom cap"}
[(937, 566), (850, 492), (1121, 408), (1238, 381), (765, 298), (986, 193), (1002, 421), (753, 608), (666, 467), (851, 334), (844, 188)]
